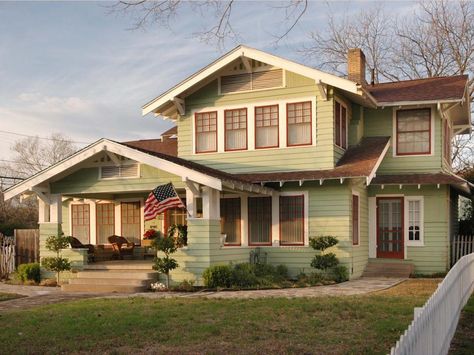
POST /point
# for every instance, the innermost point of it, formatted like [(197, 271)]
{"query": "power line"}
[(11, 177), (45, 138)]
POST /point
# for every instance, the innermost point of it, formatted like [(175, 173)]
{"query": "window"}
[(175, 216), (414, 216), (131, 221), (121, 171), (235, 129), (260, 220), (105, 215), (266, 126), (81, 222), (206, 132), (299, 123), (413, 131), (230, 220), (447, 141), (292, 220), (340, 125), (355, 220)]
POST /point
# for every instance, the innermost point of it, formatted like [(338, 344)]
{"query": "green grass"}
[(463, 341), (8, 296), (336, 325)]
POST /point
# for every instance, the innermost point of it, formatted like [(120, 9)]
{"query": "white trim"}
[(356, 193), (118, 214), (317, 75), (282, 126), (120, 177), (340, 102), (394, 131), (414, 243), (92, 218), (416, 103), (244, 216)]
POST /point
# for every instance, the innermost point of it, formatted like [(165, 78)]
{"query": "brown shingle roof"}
[(358, 161), (430, 89), (167, 146)]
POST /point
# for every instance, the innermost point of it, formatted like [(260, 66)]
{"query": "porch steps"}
[(116, 276), (388, 268)]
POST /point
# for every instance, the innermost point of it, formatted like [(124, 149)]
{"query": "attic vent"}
[(117, 172), (252, 81)]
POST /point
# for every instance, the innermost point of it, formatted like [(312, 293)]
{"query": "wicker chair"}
[(121, 246), (77, 244)]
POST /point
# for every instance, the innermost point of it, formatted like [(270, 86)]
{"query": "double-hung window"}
[(340, 125), (414, 217), (299, 123), (292, 220), (235, 129), (206, 132), (413, 131), (230, 220), (266, 126), (260, 220)]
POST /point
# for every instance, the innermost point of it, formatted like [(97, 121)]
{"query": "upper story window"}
[(266, 126), (447, 141), (235, 129), (340, 125), (119, 171), (413, 131), (206, 132), (299, 123)]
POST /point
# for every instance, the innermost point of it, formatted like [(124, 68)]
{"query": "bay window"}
[(340, 125), (413, 131), (206, 132), (235, 129), (299, 123), (292, 220), (260, 220), (266, 126)]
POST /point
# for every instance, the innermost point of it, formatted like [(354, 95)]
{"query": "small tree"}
[(57, 263), (168, 246), (325, 261)]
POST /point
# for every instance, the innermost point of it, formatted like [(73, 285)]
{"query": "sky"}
[(80, 69)]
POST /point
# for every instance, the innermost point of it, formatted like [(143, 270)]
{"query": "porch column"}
[(211, 203), (43, 211), (190, 203), (56, 209)]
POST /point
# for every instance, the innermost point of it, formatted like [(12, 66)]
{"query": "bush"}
[(29, 272), (323, 243), (313, 279), (218, 276), (243, 275), (184, 286), (341, 273), (324, 261)]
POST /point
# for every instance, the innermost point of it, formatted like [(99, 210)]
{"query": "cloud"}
[(54, 104)]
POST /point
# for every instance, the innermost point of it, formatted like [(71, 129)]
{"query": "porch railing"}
[(461, 245), (435, 323)]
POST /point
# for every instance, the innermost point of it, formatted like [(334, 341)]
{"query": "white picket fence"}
[(435, 323), (461, 245), (7, 256)]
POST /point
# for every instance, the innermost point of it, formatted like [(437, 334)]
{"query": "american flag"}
[(161, 199)]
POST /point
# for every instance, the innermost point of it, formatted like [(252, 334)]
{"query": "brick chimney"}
[(356, 66)]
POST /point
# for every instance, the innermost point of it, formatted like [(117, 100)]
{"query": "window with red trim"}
[(355, 220), (340, 125), (299, 123), (105, 220), (292, 220), (260, 220), (413, 131), (131, 221), (235, 129), (206, 132), (266, 126), (81, 222), (230, 220)]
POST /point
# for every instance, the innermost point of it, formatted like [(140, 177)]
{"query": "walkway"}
[(38, 295)]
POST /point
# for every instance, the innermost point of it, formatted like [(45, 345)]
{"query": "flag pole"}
[(189, 214)]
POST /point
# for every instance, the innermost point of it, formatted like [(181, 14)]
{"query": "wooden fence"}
[(7, 256), (26, 246), (435, 323), (461, 245)]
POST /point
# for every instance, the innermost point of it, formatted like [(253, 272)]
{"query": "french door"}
[(390, 239)]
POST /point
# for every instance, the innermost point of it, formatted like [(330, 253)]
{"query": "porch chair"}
[(121, 246), (77, 244)]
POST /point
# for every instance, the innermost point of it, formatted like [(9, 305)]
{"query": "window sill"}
[(415, 244)]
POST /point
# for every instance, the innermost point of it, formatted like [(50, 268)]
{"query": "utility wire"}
[(46, 138)]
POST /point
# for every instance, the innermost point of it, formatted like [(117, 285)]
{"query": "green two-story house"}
[(267, 153)]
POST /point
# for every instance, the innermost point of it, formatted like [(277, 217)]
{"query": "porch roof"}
[(463, 186), (360, 161)]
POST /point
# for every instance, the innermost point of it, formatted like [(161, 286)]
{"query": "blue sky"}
[(74, 68)]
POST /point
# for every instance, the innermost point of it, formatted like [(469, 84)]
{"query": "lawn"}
[(331, 325), (8, 296)]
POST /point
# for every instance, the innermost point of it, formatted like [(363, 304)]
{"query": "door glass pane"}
[(390, 226), (105, 222), (80, 222), (130, 219)]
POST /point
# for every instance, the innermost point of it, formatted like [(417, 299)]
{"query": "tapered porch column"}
[(211, 204)]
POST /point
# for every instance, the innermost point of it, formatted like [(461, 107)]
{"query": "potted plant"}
[(149, 236)]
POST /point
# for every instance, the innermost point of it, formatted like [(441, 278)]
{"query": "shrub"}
[(184, 286), (168, 246), (313, 279), (324, 261), (58, 263), (341, 273), (29, 272), (282, 271), (49, 283), (243, 275), (218, 276), (323, 243)]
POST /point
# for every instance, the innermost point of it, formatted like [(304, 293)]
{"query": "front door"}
[(390, 227)]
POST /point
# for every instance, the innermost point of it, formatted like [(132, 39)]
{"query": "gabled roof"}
[(156, 105), (449, 88), (361, 160)]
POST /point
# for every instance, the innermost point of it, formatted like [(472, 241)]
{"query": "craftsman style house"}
[(267, 153)]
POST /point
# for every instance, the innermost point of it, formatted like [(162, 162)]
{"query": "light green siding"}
[(360, 253), (433, 255), (320, 156), (380, 123)]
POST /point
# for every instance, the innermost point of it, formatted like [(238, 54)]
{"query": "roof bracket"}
[(192, 186), (419, 186), (382, 186), (282, 183), (323, 90), (341, 180), (115, 159), (301, 182), (400, 186), (179, 103), (247, 64)]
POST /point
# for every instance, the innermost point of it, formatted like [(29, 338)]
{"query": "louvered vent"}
[(116, 172), (252, 81)]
